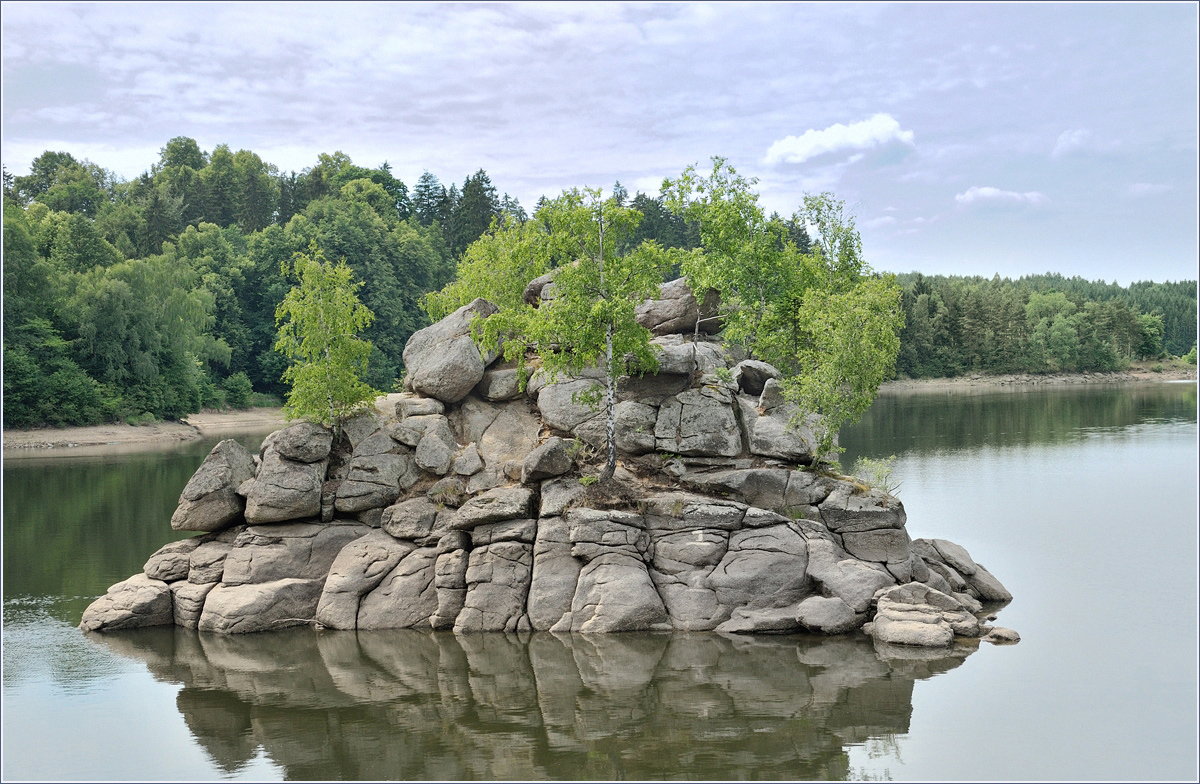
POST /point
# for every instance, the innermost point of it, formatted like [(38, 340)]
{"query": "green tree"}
[(591, 321), (319, 320)]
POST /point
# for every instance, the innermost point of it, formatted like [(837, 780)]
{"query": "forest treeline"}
[(157, 295)]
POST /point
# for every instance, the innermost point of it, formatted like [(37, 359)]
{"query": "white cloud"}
[(1070, 141), (868, 134), (976, 194)]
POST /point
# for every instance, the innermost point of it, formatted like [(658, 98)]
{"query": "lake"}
[(1081, 500)]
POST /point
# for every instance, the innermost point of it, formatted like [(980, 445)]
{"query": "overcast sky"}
[(969, 139)]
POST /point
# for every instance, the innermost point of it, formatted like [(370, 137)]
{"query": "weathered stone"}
[(468, 461), (506, 531), (548, 460), (634, 427), (406, 597), (412, 519), (681, 563), (171, 561), (187, 602), (293, 551), (558, 494), (689, 511), (498, 577), (685, 358), (511, 436), (436, 449), (358, 428), (772, 395), (848, 510), (595, 532), (905, 632), (651, 388), (499, 384), (442, 360), (502, 503), (766, 620), (763, 567), (555, 573), (676, 310), (914, 614), (206, 564), (851, 581), (773, 435), (260, 607), (827, 615), (956, 556), (806, 489), (283, 489), (410, 430), (453, 540), (378, 443), (558, 406), (130, 604), (209, 501), (751, 375), (888, 545), (615, 594), (373, 482), (358, 569), (449, 491), (762, 487), (450, 580), (989, 588), (999, 635), (303, 442), (698, 422), (533, 289), (411, 406)]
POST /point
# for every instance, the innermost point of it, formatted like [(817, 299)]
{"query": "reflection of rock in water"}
[(402, 704)]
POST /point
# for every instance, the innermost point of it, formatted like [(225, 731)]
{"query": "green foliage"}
[(238, 390), (319, 322), (1037, 324), (821, 317), (1190, 357), (877, 474)]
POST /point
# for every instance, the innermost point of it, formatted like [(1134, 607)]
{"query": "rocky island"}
[(465, 504)]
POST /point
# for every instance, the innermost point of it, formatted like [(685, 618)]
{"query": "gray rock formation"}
[(710, 522), (209, 501), (676, 310), (442, 360)]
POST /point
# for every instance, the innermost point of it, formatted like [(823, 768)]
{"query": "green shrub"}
[(238, 390), (1157, 367), (1190, 357), (877, 474)]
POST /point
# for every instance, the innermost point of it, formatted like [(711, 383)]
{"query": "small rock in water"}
[(999, 635)]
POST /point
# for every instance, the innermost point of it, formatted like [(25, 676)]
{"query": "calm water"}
[(1082, 501)]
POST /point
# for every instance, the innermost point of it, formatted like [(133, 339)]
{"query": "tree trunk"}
[(610, 416)]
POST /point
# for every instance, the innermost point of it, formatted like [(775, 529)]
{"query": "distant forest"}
[(157, 296)]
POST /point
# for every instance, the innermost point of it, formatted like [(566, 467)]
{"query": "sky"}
[(972, 139)]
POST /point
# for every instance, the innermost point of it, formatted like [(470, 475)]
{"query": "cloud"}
[(976, 194), (880, 130), (1070, 141)]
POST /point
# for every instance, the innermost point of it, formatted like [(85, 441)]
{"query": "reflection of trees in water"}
[(958, 419), (399, 704)]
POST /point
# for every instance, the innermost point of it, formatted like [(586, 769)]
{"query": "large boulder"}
[(615, 594), (497, 577), (548, 460), (374, 481), (915, 614), (260, 607), (358, 569), (555, 573), (296, 550), (676, 310), (303, 442), (284, 489), (171, 562), (763, 567), (130, 604), (209, 501), (406, 597), (699, 422), (442, 360)]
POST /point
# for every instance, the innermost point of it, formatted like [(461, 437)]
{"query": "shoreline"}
[(1024, 381), (118, 437)]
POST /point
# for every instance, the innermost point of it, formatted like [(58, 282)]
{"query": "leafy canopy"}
[(319, 320)]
